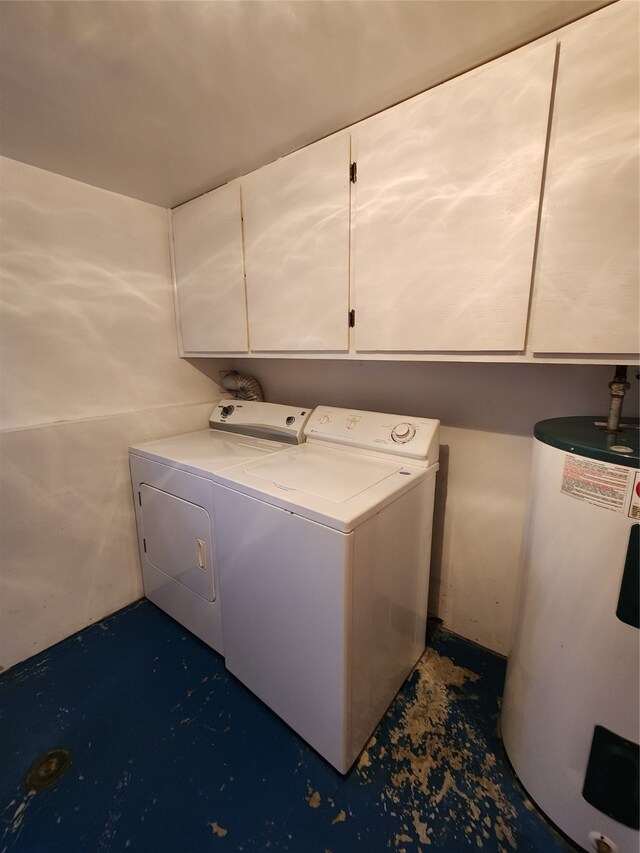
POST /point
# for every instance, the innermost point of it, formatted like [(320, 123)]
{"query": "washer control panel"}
[(413, 438)]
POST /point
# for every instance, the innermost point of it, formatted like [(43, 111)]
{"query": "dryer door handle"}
[(201, 552)]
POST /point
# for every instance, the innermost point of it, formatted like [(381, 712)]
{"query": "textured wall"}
[(89, 365)]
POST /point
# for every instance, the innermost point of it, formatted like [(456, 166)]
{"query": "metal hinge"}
[(144, 545), (353, 173), (352, 318)]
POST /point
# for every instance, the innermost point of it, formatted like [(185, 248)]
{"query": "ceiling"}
[(165, 99)]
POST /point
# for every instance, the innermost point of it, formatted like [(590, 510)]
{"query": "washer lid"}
[(336, 487), (334, 477)]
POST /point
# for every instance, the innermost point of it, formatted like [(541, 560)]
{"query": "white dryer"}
[(173, 496), (324, 553)]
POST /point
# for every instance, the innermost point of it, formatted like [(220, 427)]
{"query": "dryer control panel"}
[(415, 438), (261, 420)]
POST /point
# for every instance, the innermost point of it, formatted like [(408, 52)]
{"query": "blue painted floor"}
[(171, 753)]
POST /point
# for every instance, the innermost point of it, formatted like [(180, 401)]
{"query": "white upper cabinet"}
[(207, 242), (296, 231), (587, 271), (434, 246), (446, 208)]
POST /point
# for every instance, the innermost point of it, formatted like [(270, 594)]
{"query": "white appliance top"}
[(210, 450), (408, 437), (330, 476), (339, 484)]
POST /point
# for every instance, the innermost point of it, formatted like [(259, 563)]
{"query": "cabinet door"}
[(296, 231), (587, 271), (207, 240), (446, 210)]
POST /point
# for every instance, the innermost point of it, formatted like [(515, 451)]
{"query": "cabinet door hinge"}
[(352, 318), (353, 173)]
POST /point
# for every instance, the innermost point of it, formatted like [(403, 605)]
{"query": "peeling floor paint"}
[(441, 762), (314, 800), (171, 753), (218, 830)]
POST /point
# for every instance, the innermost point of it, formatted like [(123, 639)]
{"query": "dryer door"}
[(177, 539)]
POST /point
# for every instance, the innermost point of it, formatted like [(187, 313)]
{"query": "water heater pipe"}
[(618, 387), (245, 387)]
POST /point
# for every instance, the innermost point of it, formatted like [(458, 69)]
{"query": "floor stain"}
[(441, 767), (314, 800), (218, 830)]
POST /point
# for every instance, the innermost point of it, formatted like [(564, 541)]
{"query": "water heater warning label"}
[(598, 483), (634, 507)]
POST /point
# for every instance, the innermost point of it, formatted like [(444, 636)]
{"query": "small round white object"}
[(403, 433), (324, 419)]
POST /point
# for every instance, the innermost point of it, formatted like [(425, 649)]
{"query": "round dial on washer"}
[(402, 433), (226, 411)]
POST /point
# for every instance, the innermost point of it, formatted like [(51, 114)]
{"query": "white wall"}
[(487, 413), (88, 365)]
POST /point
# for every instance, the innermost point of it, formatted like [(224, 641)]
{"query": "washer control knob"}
[(290, 420), (225, 411), (324, 419), (351, 423), (402, 433)]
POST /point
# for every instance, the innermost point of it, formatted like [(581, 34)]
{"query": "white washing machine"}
[(324, 553), (173, 496)]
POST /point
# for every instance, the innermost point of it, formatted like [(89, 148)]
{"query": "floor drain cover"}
[(47, 769)]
